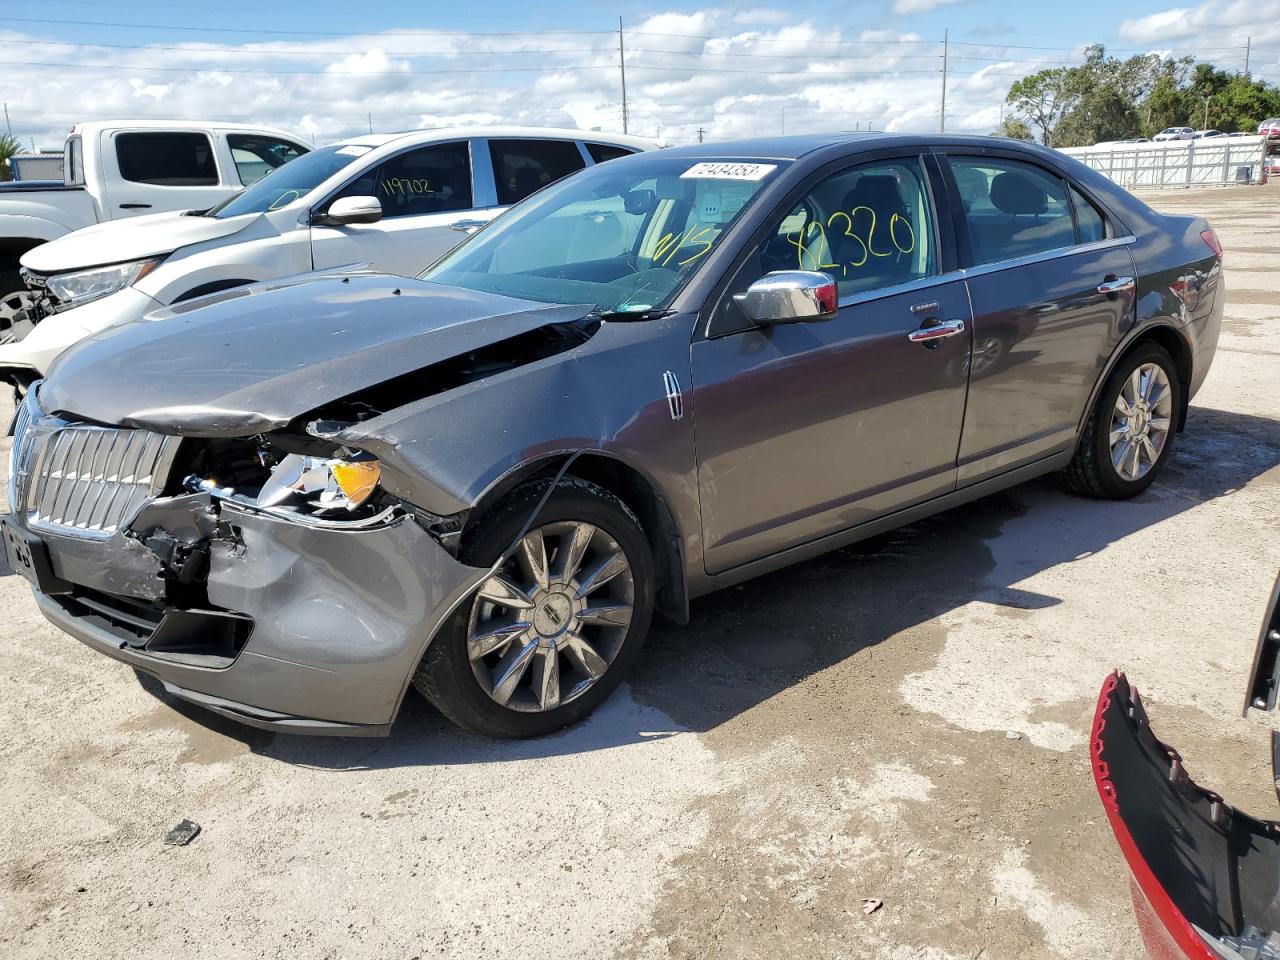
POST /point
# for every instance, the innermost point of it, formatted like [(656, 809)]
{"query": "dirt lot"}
[(903, 720)]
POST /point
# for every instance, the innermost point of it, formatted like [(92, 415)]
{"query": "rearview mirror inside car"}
[(346, 210), (790, 296)]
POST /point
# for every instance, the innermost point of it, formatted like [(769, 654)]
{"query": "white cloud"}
[(730, 73), (919, 6)]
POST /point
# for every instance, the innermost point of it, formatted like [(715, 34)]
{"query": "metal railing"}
[(1217, 161)]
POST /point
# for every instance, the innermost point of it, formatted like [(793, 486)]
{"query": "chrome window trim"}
[(966, 273)]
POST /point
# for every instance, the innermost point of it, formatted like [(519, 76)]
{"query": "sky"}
[(328, 69)]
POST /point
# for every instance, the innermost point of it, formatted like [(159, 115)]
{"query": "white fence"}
[(1177, 163)]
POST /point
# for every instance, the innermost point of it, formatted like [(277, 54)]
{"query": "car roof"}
[(795, 147), (431, 135), (97, 126)]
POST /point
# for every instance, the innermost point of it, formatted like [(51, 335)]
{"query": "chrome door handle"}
[(939, 331), (467, 226), (1117, 285)]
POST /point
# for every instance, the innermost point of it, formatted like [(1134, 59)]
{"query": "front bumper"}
[(296, 628), (1204, 877), (31, 356)]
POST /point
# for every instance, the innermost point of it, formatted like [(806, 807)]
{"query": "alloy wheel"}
[(1140, 421), (548, 624), (15, 315)]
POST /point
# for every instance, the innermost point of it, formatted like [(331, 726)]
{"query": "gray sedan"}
[(667, 374)]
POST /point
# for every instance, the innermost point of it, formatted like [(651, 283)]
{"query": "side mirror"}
[(790, 296), (347, 210)]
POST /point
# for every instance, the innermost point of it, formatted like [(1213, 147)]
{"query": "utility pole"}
[(783, 114), (700, 133), (7, 124), (371, 121), (942, 114), (622, 69), (1206, 114), (1248, 42)]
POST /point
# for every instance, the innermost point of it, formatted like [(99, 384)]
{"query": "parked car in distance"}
[(297, 498), (1271, 163), (1207, 134), (396, 201), (1174, 133), (1270, 128), (126, 168)]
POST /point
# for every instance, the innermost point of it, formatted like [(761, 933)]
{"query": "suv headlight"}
[(82, 286), (324, 485)]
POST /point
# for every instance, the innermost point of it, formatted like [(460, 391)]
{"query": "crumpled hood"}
[(255, 358), (133, 238)]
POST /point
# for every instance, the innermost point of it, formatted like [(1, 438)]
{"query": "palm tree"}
[(8, 147)]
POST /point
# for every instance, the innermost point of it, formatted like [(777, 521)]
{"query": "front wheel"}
[(16, 305), (1129, 434), (550, 635)]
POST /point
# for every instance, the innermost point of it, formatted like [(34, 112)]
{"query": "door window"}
[(434, 179), (167, 159), (255, 156), (600, 152), (521, 167), (1012, 209), (869, 227), (1090, 224)]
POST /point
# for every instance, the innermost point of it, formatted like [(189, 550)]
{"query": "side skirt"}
[(708, 583)]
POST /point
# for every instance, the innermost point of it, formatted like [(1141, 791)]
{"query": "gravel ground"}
[(903, 720)]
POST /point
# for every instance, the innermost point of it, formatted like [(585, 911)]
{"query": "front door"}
[(1042, 259), (804, 430), (427, 206)]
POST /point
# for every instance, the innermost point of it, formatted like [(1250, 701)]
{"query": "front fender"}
[(446, 451)]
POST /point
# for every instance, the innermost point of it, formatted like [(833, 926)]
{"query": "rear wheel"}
[(550, 635), (1129, 434)]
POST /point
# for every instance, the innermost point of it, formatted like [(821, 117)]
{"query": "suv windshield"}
[(624, 235), (287, 183)]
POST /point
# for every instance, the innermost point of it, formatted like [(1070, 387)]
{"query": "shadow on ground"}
[(746, 644)]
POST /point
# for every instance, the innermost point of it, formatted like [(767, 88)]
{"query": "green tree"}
[(8, 147), (1042, 99), (1014, 129)]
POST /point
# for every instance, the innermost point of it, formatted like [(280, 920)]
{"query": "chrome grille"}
[(91, 481), (20, 453)]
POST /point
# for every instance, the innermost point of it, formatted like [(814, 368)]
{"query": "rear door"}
[(1040, 259), (808, 429), (428, 201), (153, 171)]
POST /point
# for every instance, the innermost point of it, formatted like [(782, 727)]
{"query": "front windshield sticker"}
[(729, 171), (355, 150)]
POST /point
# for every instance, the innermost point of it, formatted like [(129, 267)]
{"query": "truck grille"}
[(91, 481)]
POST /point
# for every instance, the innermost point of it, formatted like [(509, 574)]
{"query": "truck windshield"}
[(287, 183), (624, 235)]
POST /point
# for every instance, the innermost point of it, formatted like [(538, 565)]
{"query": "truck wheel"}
[(549, 636), (16, 302)]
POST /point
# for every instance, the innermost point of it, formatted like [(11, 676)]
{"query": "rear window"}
[(1012, 209), (256, 155), (600, 152), (167, 159), (521, 167)]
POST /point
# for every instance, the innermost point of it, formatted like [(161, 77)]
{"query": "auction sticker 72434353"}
[(729, 171)]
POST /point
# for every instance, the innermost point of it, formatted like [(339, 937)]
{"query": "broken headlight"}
[(321, 484), (82, 286)]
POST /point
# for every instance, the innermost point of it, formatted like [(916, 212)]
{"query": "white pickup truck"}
[(393, 201), (123, 168)]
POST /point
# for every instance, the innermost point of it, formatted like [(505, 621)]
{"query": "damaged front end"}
[(195, 560), (1204, 877)]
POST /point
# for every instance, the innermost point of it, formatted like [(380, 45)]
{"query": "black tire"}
[(1091, 471), (15, 302), (445, 676)]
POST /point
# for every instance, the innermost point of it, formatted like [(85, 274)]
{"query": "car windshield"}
[(624, 235), (287, 183)]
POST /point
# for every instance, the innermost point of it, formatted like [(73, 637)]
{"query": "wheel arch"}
[(1165, 335), (634, 488)]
